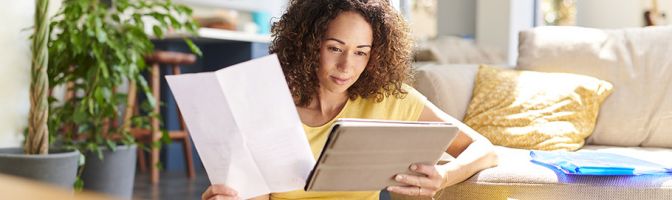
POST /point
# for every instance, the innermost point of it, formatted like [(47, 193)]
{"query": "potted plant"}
[(37, 161), (97, 47)]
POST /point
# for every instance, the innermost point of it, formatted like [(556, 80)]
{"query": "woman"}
[(350, 59)]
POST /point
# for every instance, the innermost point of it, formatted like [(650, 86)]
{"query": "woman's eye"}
[(360, 53), (334, 49)]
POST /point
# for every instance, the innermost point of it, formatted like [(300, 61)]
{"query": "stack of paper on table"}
[(596, 163)]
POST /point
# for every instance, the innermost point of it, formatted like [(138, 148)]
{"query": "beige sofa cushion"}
[(638, 62), (447, 86)]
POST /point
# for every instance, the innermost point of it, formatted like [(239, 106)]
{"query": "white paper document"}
[(245, 126)]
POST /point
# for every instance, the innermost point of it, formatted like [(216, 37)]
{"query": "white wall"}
[(499, 21), (492, 23), (275, 7), (496, 23), (522, 17), (617, 13), (456, 17), (664, 6), (16, 19), (423, 19), (609, 13)]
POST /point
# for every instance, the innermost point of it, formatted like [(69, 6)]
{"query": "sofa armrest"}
[(449, 87)]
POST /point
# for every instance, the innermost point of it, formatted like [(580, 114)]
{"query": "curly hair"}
[(299, 33)]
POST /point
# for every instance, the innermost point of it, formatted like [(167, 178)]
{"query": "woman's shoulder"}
[(409, 89), (409, 96), (408, 93), (394, 107), (411, 93)]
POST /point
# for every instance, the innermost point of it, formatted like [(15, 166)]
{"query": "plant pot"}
[(114, 174), (57, 168)]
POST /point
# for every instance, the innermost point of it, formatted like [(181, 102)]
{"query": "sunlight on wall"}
[(16, 18)]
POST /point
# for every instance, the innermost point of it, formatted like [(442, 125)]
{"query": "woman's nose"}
[(344, 62)]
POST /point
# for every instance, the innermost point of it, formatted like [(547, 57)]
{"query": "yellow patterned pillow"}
[(535, 110)]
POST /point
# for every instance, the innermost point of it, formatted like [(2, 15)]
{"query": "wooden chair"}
[(152, 135)]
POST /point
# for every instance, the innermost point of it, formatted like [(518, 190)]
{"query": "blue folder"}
[(596, 163)]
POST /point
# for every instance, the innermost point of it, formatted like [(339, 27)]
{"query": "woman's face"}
[(344, 52)]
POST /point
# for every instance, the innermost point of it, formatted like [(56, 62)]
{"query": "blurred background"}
[(232, 31)]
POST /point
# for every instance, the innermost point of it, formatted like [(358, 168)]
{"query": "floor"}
[(173, 185)]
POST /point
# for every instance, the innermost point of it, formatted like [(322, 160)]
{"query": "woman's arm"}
[(471, 150), (472, 153)]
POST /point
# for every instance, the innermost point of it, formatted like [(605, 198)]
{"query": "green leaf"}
[(75, 40), (102, 65), (121, 5), (103, 69), (157, 144), (101, 35), (82, 159), (173, 22), (159, 166), (99, 96), (193, 47), (98, 22), (121, 97), (107, 92), (192, 27), (148, 93), (52, 99), (83, 128), (80, 115), (137, 18), (167, 5), (157, 31), (79, 184), (99, 153), (91, 106), (111, 145), (183, 9), (165, 138), (116, 18), (161, 18)]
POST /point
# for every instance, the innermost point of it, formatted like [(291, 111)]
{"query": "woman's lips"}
[(339, 81)]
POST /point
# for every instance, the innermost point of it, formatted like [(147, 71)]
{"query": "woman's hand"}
[(219, 192), (424, 185)]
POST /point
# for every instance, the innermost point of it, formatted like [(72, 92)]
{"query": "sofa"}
[(635, 120)]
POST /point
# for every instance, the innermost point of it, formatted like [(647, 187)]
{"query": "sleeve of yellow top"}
[(415, 102)]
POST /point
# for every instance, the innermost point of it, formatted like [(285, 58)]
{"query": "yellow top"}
[(408, 108)]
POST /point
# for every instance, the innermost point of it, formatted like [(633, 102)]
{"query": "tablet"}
[(365, 155)]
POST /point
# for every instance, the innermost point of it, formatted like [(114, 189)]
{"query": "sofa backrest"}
[(449, 87), (637, 61)]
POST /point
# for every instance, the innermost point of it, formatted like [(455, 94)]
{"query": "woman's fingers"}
[(426, 184), (417, 181), (428, 170), (218, 191), (411, 191)]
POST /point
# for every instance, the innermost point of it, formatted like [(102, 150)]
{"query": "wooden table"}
[(12, 187)]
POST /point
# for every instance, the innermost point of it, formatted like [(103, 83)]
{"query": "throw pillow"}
[(535, 110)]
